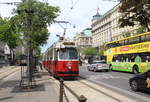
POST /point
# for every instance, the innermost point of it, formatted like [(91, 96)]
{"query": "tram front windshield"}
[(68, 53)]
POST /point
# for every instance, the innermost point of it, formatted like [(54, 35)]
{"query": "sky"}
[(78, 13)]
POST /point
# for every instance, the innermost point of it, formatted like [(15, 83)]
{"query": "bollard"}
[(61, 90), (82, 99)]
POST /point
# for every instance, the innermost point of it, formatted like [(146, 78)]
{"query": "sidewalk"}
[(46, 90), (6, 68)]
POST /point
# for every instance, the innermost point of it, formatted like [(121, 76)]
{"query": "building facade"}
[(101, 29), (117, 32), (105, 28), (84, 39)]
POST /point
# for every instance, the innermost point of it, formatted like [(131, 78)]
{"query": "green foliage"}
[(140, 30), (135, 12), (8, 33), (102, 49), (89, 51), (126, 34), (32, 18)]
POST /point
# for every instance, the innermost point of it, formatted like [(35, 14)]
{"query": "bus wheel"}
[(135, 69)]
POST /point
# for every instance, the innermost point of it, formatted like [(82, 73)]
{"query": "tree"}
[(135, 12), (89, 51), (9, 35), (32, 18), (126, 34), (140, 30), (41, 15), (102, 49)]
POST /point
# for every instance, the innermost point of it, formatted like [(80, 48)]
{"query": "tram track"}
[(94, 92), (137, 97), (8, 73)]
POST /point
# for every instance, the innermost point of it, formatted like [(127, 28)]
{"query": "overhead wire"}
[(72, 7)]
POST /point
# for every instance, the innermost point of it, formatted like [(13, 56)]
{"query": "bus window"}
[(134, 40), (121, 42), (142, 38), (108, 46), (119, 58), (114, 58), (147, 58), (132, 58), (147, 37), (143, 57)]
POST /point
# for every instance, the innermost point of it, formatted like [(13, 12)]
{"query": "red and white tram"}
[(61, 59)]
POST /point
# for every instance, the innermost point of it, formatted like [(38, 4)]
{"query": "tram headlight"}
[(69, 67)]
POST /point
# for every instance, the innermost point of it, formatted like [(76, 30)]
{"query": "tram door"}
[(55, 61)]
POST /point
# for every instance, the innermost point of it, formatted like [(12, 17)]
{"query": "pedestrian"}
[(80, 62), (40, 64)]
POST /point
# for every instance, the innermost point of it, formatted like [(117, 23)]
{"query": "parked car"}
[(140, 82), (98, 66)]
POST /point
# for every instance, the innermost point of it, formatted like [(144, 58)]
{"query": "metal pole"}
[(82, 99), (61, 90)]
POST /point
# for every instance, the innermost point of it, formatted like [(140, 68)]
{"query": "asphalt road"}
[(117, 81)]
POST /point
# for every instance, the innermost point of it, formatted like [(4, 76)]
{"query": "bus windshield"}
[(68, 53)]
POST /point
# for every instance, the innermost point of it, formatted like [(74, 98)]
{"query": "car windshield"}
[(68, 53)]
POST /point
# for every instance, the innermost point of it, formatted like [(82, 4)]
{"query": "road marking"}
[(124, 91), (103, 76)]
